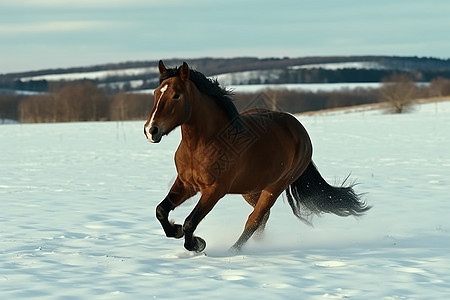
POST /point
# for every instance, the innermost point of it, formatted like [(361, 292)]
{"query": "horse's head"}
[(172, 104)]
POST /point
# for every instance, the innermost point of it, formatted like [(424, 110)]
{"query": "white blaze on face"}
[(150, 124)]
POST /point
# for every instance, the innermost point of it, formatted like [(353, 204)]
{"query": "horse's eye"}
[(176, 97)]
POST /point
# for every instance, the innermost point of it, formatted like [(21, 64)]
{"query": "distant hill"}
[(142, 75)]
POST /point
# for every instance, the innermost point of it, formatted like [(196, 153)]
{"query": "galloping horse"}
[(259, 154)]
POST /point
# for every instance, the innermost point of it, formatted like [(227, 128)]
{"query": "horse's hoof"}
[(198, 244), (177, 232)]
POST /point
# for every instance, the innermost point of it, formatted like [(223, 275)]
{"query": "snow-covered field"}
[(92, 74), (240, 82), (343, 65), (309, 87), (77, 217)]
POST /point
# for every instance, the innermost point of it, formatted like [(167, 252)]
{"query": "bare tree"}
[(398, 91), (82, 102), (119, 109), (9, 107), (439, 87), (38, 109), (129, 106)]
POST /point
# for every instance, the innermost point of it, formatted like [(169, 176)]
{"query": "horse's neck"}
[(206, 121)]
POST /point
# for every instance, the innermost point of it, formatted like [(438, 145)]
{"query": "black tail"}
[(311, 195)]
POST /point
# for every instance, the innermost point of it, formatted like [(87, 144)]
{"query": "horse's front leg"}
[(177, 195), (206, 203)]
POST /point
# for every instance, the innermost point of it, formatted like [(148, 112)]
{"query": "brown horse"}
[(258, 154)]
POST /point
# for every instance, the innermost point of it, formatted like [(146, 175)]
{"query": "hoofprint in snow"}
[(77, 216)]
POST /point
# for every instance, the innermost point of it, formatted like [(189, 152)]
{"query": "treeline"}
[(116, 82), (19, 85), (75, 102), (398, 91), (293, 70), (84, 101), (320, 75), (298, 101)]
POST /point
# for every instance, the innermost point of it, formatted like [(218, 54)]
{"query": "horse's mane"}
[(210, 87)]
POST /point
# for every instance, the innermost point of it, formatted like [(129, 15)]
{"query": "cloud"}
[(52, 27), (85, 3)]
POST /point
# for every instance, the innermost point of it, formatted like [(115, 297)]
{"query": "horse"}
[(258, 153)]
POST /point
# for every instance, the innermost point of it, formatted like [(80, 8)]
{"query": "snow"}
[(77, 216), (246, 77), (310, 87), (121, 84), (93, 74), (17, 92), (342, 65), (7, 121)]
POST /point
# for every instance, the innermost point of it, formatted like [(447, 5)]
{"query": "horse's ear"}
[(184, 72), (162, 68)]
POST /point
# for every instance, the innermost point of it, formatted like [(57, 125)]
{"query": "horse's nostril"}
[(154, 130)]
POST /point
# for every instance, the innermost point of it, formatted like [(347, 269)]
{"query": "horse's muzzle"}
[(154, 134)]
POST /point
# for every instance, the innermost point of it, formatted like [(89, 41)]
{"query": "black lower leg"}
[(162, 214), (191, 242)]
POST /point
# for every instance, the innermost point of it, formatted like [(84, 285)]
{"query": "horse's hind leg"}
[(252, 199), (259, 233), (257, 217), (177, 195)]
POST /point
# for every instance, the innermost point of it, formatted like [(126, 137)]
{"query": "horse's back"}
[(281, 148), (253, 111), (276, 122)]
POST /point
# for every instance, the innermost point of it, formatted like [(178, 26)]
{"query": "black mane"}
[(210, 87)]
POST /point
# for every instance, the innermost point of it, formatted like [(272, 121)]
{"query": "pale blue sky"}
[(37, 34)]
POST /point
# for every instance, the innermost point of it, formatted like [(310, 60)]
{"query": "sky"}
[(42, 34)]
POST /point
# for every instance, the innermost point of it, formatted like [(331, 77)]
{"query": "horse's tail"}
[(311, 195)]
